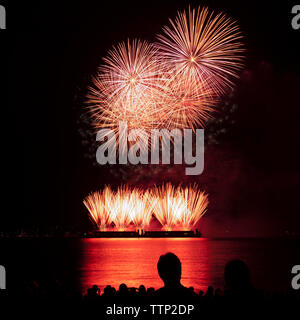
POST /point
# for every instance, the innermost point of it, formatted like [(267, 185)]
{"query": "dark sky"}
[(50, 51)]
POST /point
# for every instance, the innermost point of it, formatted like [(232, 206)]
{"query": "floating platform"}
[(171, 234), (143, 234)]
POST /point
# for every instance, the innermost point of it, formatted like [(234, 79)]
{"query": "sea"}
[(81, 263)]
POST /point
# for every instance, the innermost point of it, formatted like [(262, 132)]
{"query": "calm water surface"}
[(84, 262), (133, 261)]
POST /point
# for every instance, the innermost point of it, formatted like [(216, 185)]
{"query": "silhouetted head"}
[(123, 288), (237, 275), (108, 290), (210, 291), (169, 269), (96, 289), (142, 289)]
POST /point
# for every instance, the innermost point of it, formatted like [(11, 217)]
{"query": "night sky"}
[(51, 50)]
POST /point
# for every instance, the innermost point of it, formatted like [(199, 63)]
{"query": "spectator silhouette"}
[(239, 289), (239, 298), (142, 294), (123, 294), (108, 294), (209, 296), (142, 290), (123, 290), (93, 294), (169, 270)]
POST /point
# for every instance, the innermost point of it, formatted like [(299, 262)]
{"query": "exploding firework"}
[(189, 103), (202, 47), (120, 209), (129, 87), (167, 206), (174, 208), (143, 208), (96, 203), (175, 83), (195, 206), (179, 207), (139, 86)]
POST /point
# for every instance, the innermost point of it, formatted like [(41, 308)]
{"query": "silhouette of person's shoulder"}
[(178, 294)]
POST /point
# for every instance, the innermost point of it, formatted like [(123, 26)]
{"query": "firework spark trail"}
[(96, 205), (189, 103), (195, 206), (128, 87), (179, 207), (166, 206), (174, 207), (130, 206), (175, 83), (203, 46), (142, 213), (121, 208)]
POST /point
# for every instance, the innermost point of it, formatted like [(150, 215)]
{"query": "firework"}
[(129, 87), (143, 208), (96, 205), (175, 83), (137, 85), (120, 209), (195, 206), (189, 103), (166, 206), (179, 207), (174, 208), (203, 47)]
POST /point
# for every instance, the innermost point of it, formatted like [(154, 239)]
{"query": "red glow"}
[(133, 261)]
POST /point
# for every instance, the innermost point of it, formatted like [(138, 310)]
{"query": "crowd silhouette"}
[(238, 294)]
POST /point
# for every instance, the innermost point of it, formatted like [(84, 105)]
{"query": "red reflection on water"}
[(133, 261)]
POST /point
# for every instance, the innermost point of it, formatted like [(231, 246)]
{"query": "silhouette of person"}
[(123, 290), (93, 294), (169, 270), (237, 277), (239, 289), (141, 294)]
